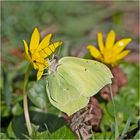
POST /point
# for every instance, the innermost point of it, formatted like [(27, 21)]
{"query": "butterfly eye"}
[(56, 58)]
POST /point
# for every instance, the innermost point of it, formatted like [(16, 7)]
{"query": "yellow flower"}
[(38, 51), (110, 52)]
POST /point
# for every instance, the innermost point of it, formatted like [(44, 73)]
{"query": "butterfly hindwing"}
[(63, 95)]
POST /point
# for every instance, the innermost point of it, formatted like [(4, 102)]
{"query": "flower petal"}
[(121, 44), (55, 45), (44, 43), (39, 62), (26, 54), (110, 39), (39, 74), (35, 38), (100, 41), (49, 49), (94, 51), (122, 55)]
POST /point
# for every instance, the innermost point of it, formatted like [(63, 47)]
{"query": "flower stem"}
[(115, 114), (25, 102)]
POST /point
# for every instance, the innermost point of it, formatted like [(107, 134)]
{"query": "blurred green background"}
[(76, 23)]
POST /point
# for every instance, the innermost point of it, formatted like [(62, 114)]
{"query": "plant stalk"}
[(115, 114), (25, 102)]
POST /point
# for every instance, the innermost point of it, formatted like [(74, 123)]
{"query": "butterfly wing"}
[(63, 95), (75, 80), (87, 76)]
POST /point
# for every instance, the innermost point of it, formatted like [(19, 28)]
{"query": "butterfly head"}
[(53, 64)]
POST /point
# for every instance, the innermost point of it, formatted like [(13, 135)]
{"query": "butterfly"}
[(72, 81)]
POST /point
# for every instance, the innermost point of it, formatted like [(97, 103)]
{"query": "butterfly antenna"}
[(52, 50), (60, 49)]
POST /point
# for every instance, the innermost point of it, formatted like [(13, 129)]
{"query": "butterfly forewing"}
[(87, 76)]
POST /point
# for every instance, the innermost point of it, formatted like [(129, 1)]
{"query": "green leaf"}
[(127, 125), (63, 133), (102, 136), (123, 112), (3, 136), (41, 135), (4, 110), (37, 94), (10, 131), (52, 121), (137, 136), (17, 109), (7, 88), (17, 127), (107, 119)]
